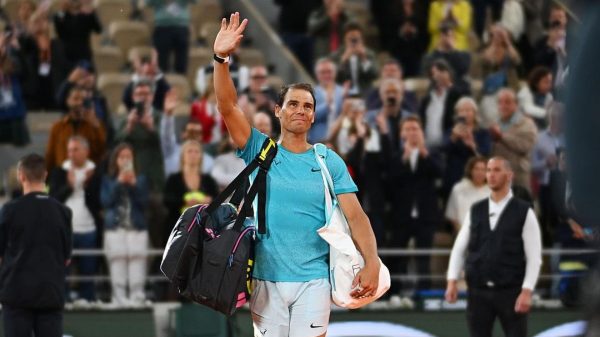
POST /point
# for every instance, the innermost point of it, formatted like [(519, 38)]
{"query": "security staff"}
[(35, 247), (501, 243)]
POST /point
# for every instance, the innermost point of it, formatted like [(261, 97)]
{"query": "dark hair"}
[(351, 26), (442, 65), (113, 168), (411, 118), (299, 86), (143, 83), (33, 167), (393, 61), (471, 164), (536, 75)]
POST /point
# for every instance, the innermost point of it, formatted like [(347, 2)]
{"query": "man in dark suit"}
[(413, 173), (35, 246), (437, 107)]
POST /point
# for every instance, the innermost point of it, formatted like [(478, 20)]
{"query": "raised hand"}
[(230, 35)]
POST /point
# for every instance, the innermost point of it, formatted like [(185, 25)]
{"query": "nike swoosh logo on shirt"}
[(312, 325), (315, 169)]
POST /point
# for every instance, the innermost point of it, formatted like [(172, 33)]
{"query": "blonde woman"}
[(189, 186), (124, 197)]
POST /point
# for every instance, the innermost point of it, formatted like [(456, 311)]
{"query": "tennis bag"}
[(209, 254)]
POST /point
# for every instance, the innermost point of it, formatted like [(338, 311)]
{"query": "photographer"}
[(83, 76), (356, 63), (466, 140), (140, 129), (391, 93), (124, 196), (146, 69), (80, 120)]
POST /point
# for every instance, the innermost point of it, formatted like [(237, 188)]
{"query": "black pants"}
[(484, 305), (423, 232), (20, 322), (172, 40)]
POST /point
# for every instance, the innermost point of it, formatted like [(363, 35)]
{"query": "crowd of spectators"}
[(417, 157)]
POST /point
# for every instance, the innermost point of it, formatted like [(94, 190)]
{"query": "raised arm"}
[(227, 40)]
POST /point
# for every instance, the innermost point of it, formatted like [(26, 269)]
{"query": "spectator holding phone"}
[(146, 69), (124, 196), (356, 63), (466, 140), (80, 120), (140, 130), (83, 76)]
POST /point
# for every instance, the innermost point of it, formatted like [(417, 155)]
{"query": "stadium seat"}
[(112, 85), (251, 57), (418, 85), (126, 35), (198, 57), (139, 51), (10, 7), (205, 11), (181, 85), (108, 59), (275, 82), (192, 320), (208, 31), (110, 11)]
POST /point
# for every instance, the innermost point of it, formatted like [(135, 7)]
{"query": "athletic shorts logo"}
[(312, 325)]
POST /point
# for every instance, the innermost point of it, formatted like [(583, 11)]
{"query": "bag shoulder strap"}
[(262, 161)]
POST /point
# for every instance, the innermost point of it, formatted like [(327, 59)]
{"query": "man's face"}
[(498, 175), (559, 15), (258, 78), (193, 131), (440, 77), (77, 152), (467, 112), (262, 123), (143, 93), (75, 102), (353, 38), (411, 132), (88, 81), (297, 113), (391, 92), (391, 70), (507, 105), (325, 73)]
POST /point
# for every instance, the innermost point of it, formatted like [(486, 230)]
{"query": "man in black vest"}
[(501, 242), (35, 247)]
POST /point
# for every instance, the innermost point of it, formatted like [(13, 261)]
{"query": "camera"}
[(145, 59), (87, 103), (354, 41), (390, 101), (460, 120), (140, 109)]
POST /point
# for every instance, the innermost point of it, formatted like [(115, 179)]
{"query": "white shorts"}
[(294, 309)]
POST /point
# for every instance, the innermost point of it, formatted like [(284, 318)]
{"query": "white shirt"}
[(464, 194), (226, 167), (532, 243), (434, 133), (414, 157), (83, 221)]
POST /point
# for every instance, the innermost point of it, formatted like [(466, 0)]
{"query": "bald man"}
[(500, 247)]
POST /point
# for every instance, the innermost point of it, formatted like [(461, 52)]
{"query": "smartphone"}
[(461, 120), (87, 103), (127, 166), (140, 108)]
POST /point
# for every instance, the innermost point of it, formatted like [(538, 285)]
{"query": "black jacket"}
[(35, 243), (60, 190), (452, 97), (415, 188)]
